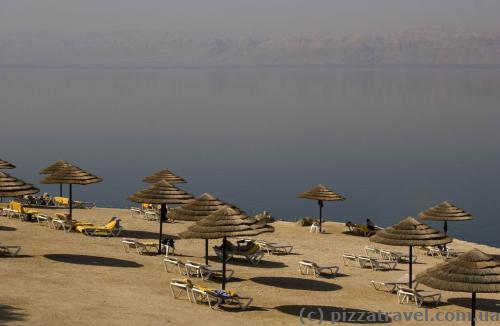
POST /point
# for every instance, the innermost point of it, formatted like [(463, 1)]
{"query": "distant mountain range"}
[(152, 48)]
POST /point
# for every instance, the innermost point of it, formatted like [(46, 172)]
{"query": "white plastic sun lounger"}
[(179, 286), (254, 258), (205, 271), (141, 247), (274, 248), (376, 264), (350, 259), (396, 256), (59, 224), (9, 250), (173, 263), (391, 285), (372, 252), (418, 296), (135, 211), (43, 219), (215, 300), (150, 215), (441, 253), (305, 266), (9, 213)]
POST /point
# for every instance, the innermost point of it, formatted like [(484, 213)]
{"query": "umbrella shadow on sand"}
[(10, 314), (238, 310), (7, 228), (482, 304), (295, 283), (238, 261), (218, 279), (92, 260), (355, 234), (330, 314), (16, 256), (145, 235)]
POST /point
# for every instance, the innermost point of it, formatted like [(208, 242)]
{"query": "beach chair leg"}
[(180, 270), (301, 269), (231, 273), (217, 303), (250, 300), (206, 276)]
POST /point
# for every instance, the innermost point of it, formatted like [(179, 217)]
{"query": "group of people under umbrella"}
[(473, 272)]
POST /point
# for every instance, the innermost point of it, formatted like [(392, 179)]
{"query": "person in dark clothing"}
[(370, 224)]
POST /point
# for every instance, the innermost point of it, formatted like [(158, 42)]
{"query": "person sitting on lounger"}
[(245, 245), (350, 225), (169, 245), (229, 246), (117, 220)]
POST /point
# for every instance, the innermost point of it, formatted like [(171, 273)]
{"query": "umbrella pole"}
[(163, 216), (224, 263), (445, 229), (60, 190), (320, 203), (70, 200), (473, 307), (410, 279), (206, 251)]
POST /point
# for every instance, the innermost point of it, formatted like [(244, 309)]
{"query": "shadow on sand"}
[(329, 314), (241, 261), (16, 256), (294, 283), (92, 260), (9, 313), (218, 279), (136, 234), (7, 228), (482, 304), (355, 234)]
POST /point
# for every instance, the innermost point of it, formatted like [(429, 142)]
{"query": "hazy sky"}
[(249, 16)]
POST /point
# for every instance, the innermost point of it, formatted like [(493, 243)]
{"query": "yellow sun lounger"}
[(61, 201), (19, 209), (110, 229)]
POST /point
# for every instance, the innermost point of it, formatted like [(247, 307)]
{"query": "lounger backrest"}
[(251, 250), (15, 206), (61, 200), (111, 225)]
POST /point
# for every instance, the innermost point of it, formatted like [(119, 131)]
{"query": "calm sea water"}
[(393, 141)]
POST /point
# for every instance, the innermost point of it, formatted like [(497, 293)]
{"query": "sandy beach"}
[(70, 279)]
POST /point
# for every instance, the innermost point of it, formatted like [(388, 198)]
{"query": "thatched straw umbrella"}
[(445, 211), (321, 194), (13, 187), (162, 193), (198, 209), (471, 272), (71, 175), (166, 175), (410, 232), (53, 168), (4, 165), (226, 222)]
